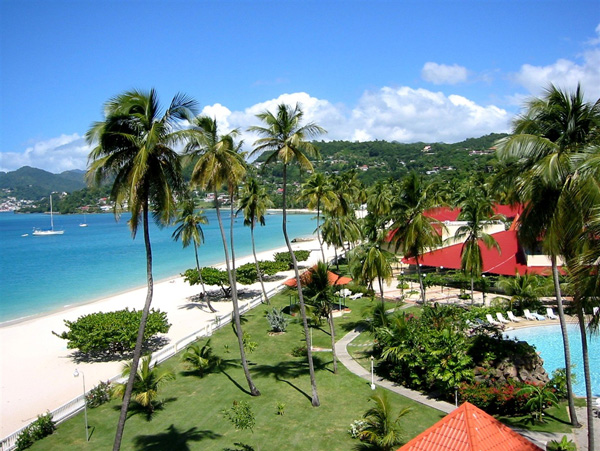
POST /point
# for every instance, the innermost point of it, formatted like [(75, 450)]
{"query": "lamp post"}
[(76, 374), (424, 287), (402, 283), (483, 288), (442, 285), (372, 375)]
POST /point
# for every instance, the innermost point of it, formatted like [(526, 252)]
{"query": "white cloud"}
[(565, 73), (59, 154), (440, 74), (393, 114)]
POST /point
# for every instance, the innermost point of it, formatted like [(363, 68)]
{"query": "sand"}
[(36, 368)]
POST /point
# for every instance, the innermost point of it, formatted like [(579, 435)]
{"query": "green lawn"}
[(192, 418)]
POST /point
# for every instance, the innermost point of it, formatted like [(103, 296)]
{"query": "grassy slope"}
[(192, 419)]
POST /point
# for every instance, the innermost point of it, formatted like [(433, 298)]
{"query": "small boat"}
[(50, 231), (84, 223), (25, 234)]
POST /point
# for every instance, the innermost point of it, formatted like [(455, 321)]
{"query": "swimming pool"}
[(548, 341)]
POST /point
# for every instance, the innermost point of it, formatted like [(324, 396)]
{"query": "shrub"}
[(113, 332), (241, 415), (495, 398), (558, 382), (277, 320), (564, 445), (300, 351), (40, 428), (281, 408), (270, 268), (285, 257), (356, 428), (99, 395), (246, 274)]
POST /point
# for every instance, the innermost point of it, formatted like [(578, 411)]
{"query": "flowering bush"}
[(98, 395), (495, 397), (356, 427)]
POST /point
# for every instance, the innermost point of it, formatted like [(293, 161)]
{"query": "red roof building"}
[(469, 428), (306, 277)]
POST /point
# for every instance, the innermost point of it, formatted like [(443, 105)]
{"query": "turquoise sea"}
[(39, 274)]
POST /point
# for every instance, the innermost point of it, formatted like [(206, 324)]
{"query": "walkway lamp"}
[(442, 284), (372, 375), (483, 288), (402, 283), (76, 374)]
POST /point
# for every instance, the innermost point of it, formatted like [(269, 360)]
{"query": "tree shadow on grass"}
[(226, 374), (291, 369), (359, 325), (172, 438), (144, 412)]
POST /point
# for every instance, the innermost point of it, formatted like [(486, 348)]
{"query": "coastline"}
[(33, 358)]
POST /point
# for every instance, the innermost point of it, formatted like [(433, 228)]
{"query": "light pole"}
[(76, 374), (483, 288), (372, 375), (402, 283), (442, 284)]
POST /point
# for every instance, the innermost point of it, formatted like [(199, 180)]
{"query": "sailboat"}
[(84, 223), (51, 231)]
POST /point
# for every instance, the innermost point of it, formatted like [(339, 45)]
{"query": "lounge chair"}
[(491, 320), (533, 316), (595, 310), (513, 318), (550, 313), (501, 318)]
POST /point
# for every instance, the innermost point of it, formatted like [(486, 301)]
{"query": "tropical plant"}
[(217, 162), (413, 231), (254, 202), (320, 294), (369, 262), (147, 381), (241, 415), (284, 139), (189, 230), (319, 193), (277, 320), (563, 445), (43, 426), (524, 290), (98, 395), (382, 429), (477, 211), (539, 399), (132, 147), (538, 163), (201, 359)]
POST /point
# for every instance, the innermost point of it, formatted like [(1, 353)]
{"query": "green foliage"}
[(148, 380), (249, 344), (200, 358), (495, 397), (112, 332), (281, 408), (99, 395), (246, 274), (40, 428), (285, 257), (241, 415), (270, 268), (382, 428), (299, 351), (277, 320), (564, 445), (558, 382), (210, 276), (540, 397)]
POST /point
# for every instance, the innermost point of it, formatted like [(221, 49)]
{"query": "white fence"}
[(76, 405)]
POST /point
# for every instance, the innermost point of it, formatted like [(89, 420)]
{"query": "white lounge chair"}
[(533, 316), (595, 310), (550, 313), (513, 318), (491, 320), (501, 318)]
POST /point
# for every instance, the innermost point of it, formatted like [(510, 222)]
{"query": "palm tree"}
[(320, 293), (254, 203), (524, 289), (284, 138), (218, 163), (414, 232), (189, 229), (369, 262), (382, 430), (201, 358), (132, 147), (539, 165), (477, 211), (319, 193), (147, 380)]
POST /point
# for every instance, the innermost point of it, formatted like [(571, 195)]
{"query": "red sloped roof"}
[(451, 214), (305, 277), (507, 263), (469, 428)]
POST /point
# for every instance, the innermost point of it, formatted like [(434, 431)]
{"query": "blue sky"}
[(395, 70)]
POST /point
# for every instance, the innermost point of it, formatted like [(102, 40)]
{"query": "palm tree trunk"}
[(262, 284), (565, 336), (319, 230), (421, 285), (236, 311), (311, 367), (204, 295), (332, 333), (587, 376), (137, 352), (472, 289), (380, 280)]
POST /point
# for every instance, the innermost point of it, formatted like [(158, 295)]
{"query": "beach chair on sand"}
[(550, 313), (501, 318), (513, 318), (491, 320)]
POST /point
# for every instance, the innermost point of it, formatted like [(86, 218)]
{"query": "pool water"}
[(548, 342)]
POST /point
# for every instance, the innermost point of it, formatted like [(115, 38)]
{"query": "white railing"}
[(76, 405)]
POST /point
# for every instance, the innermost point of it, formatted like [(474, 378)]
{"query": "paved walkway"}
[(539, 438)]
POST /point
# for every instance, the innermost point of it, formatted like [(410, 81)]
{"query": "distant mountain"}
[(31, 183)]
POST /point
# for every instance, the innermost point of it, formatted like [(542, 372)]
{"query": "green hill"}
[(33, 184)]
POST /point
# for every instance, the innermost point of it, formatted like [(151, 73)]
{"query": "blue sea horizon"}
[(41, 274)]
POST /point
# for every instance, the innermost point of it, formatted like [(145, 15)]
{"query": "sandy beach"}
[(36, 368)]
